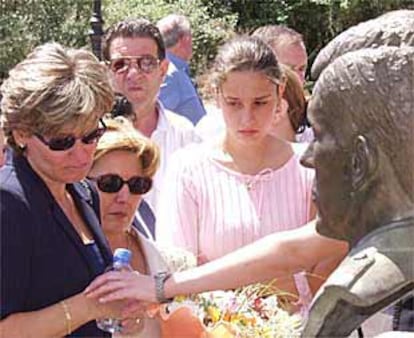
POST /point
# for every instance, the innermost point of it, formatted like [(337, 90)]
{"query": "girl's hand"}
[(121, 285)]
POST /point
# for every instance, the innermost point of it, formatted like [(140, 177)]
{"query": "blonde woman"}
[(124, 165)]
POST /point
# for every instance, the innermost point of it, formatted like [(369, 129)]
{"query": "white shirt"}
[(172, 133)]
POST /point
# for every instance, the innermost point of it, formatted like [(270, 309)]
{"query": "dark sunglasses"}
[(67, 142), (146, 63), (112, 183)]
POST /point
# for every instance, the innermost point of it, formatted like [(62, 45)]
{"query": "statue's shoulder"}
[(365, 277), (395, 236), (365, 282)]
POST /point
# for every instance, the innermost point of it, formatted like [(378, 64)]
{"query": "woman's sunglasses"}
[(67, 142), (146, 63), (112, 183)]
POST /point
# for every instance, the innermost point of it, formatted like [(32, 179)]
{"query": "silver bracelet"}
[(160, 279)]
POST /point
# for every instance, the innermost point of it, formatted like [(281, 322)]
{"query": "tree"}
[(25, 24), (318, 20)]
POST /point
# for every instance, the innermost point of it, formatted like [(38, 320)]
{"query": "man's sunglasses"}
[(112, 183), (67, 142), (146, 63)]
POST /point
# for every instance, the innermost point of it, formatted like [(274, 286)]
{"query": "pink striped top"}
[(211, 210)]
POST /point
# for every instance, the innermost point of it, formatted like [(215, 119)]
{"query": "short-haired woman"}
[(52, 245), (124, 164)]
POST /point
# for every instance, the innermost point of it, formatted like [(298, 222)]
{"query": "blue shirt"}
[(178, 93)]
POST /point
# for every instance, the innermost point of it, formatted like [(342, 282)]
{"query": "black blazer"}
[(43, 260)]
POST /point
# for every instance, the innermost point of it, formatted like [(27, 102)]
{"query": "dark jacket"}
[(43, 260), (148, 217)]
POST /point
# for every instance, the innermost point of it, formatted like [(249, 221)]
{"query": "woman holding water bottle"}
[(124, 164), (52, 245)]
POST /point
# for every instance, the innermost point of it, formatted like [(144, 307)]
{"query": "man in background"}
[(134, 51), (288, 45), (178, 92)]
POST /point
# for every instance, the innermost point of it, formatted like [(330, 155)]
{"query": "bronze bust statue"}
[(362, 111)]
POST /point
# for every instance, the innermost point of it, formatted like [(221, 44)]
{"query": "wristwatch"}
[(160, 279)]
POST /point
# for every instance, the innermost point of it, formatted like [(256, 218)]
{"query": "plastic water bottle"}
[(121, 262)]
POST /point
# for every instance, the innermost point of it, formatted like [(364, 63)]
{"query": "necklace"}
[(69, 209), (250, 183), (245, 161), (128, 235), (230, 161), (133, 244)]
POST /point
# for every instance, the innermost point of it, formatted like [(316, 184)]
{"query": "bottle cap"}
[(122, 255)]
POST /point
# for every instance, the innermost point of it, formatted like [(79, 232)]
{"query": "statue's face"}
[(330, 158)]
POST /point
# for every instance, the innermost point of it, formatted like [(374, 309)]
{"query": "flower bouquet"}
[(245, 312)]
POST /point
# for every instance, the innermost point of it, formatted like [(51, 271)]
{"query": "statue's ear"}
[(364, 163)]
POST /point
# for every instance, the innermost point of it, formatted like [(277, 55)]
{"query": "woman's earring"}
[(278, 109)]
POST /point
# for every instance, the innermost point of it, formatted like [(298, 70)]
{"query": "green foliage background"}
[(27, 23)]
